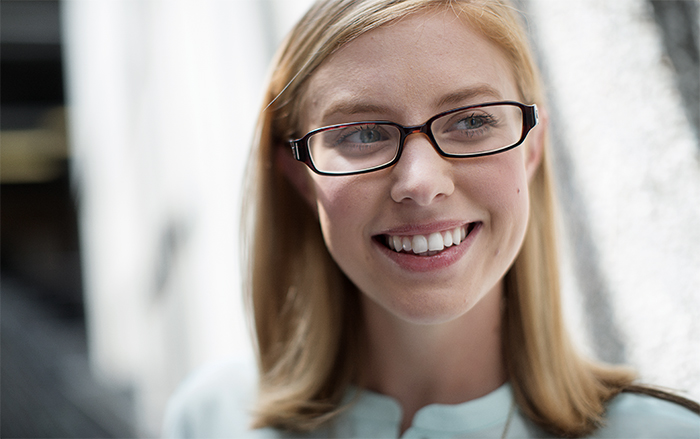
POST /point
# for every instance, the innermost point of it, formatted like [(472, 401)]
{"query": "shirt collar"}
[(491, 409)]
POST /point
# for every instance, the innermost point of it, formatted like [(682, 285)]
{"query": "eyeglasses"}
[(360, 147)]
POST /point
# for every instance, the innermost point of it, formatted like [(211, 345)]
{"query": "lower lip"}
[(439, 261)]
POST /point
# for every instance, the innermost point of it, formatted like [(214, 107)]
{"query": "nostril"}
[(422, 189)]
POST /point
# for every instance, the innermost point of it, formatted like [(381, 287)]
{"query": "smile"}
[(428, 245)]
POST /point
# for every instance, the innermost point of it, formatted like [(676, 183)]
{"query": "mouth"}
[(426, 245)]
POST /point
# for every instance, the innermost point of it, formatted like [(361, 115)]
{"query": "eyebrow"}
[(354, 106), (460, 97)]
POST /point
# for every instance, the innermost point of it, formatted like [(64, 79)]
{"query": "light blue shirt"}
[(215, 403)]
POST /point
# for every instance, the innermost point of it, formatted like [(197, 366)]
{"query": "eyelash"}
[(355, 129), (486, 119)]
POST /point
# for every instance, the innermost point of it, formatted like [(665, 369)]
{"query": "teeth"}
[(447, 239), (419, 244), (430, 245), (435, 242)]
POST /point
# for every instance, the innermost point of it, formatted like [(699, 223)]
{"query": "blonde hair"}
[(307, 318)]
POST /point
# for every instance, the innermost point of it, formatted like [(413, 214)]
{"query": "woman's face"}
[(407, 72)]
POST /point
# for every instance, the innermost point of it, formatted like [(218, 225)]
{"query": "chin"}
[(428, 309)]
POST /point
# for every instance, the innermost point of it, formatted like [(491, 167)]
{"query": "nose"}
[(421, 175)]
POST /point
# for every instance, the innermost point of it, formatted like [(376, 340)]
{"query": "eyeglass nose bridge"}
[(417, 129)]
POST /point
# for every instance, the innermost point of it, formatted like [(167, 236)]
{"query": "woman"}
[(405, 281)]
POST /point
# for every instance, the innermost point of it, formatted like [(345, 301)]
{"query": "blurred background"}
[(125, 126)]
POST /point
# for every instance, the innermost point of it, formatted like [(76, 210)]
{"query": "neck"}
[(446, 363)]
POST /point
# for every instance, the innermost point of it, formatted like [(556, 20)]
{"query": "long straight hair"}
[(306, 315)]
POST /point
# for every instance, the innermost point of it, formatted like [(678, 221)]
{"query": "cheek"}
[(514, 207), (344, 207), (512, 190), (500, 186), (499, 181), (334, 200)]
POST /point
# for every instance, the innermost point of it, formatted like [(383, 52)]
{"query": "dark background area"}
[(46, 388)]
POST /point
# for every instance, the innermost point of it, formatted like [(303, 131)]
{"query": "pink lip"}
[(420, 264)]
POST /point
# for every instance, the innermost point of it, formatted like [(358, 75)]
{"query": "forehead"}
[(407, 71)]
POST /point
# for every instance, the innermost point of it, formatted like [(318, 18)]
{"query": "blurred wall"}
[(163, 96), (628, 162)]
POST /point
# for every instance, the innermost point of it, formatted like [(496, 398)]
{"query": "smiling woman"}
[(415, 288)]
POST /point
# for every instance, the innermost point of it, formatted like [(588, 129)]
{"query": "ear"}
[(296, 173), (535, 144)]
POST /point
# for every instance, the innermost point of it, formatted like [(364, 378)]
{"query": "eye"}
[(368, 136), (466, 126), (362, 135), (472, 122)]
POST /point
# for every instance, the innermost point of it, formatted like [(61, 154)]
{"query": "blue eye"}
[(362, 135), (368, 136), (364, 140), (472, 122)]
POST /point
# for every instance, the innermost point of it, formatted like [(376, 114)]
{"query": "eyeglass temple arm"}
[(531, 116), (297, 152)]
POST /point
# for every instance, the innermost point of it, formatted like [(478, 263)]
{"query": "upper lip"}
[(424, 229)]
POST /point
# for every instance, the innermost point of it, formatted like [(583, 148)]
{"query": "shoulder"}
[(646, 416), (215, 402)]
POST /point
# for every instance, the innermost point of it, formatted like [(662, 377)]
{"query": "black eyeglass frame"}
[(300, 147)]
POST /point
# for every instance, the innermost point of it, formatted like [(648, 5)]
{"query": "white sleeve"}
[(631, 415), (214, 402)]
